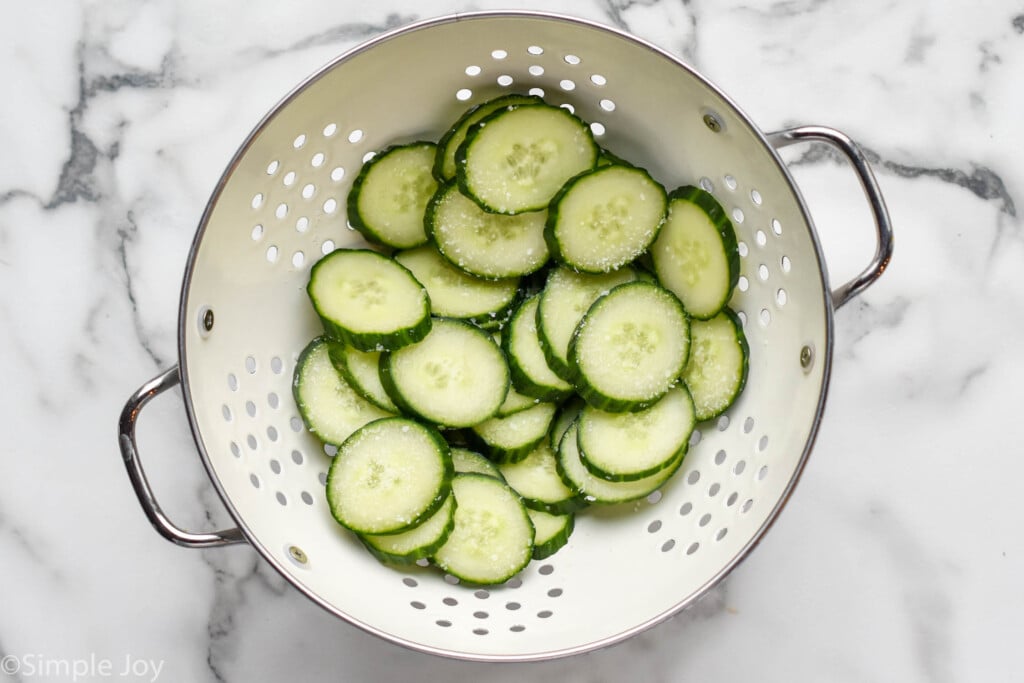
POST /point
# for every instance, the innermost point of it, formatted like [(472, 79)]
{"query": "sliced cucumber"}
[(511, 438), (485, 244), (455, 293), (389, 476), (630, 446), (531, 374), (600, 491), (696, 254), (418, 543), (444, 162), (330, 408), (467, 461), (361, 370), (536, 479), (455, 377), (565, 416), (564, 300), (516, 159), (551, 532), (603, 219), (717, 370), (388, 197), (515, 402), (493, 536), (368, 301), (630, 347)]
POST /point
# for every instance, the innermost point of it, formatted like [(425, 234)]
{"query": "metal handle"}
[(129, 451), (883, 249)]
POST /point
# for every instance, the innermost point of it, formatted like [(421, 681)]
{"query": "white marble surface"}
[(900, 555)]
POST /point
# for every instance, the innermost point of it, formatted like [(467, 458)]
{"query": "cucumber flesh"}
[(629, 446), (455, 293), (444, 162), (418, 543), (566, 297), (361, 370), (696, 254), (630, 347), (455, 377), (551, 532), (603, 219), (530, 372), (493, 536), (717, 370), (516, 159), (389, 476), (511, 438), (467, 461), (330, 408), (484, 244), (368, 301), (389, 195), (536, 479)]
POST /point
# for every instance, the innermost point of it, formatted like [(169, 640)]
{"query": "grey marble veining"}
[(899, 555)]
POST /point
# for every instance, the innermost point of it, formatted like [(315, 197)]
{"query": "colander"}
[(280, 205)]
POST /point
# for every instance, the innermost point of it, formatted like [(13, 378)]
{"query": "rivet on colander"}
[(298, 554), (712, 122), (205, 321), (806, 357)]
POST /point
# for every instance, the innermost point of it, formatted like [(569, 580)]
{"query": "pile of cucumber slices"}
[(539, 327)]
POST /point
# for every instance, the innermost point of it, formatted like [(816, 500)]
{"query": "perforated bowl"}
[(280, 205)]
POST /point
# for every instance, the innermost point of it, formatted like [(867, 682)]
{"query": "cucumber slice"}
[(467, 461), (388, 197), (515, 403), (389, 476), (601, 491), (329, 407), (493, 536), (456, 294), (536, 479), (564, 300), (531, 374), (630, 347), (511, 438), (717, 370), (551, 532), (361, 370), (516, 159), (444, 162), (696, 254), (456, 377), (416, 544), (566, 415), (368, 301), (487, 245), (603, 219), (630, 446)]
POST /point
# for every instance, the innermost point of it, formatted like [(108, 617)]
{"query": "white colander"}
[(280, 205)]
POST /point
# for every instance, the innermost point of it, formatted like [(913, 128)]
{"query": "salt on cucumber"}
[(719, 362), (416, 544), (511, 438), (455, 293), (330, 408), (368, 300), (566, 297), (455, 377), (515, 159), (629, 446), (536, 479), (487, 245), (603, 219), (389, 476), (531, 374), (696, 254), (444, 162), (493, 537), (390, 193), (630, 347), (361, 370)]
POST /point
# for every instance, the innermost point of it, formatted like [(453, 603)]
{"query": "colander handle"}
[(130, 454), (883, 227)]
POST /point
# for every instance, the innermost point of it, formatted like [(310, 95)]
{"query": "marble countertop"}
[(900, 554)]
